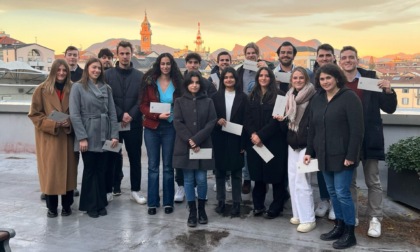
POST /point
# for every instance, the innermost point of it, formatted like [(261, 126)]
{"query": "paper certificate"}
[(264, 153), (369, 84), (58, 116), (204, 153), (215, 79), (233, 128), (251, 65), (280, 105), (158, 107), (305, 168), (107, 146), (126, 128), (283, 77)]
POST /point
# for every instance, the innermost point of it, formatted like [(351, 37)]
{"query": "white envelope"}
[(204, 153), (107, 146), (369, 84), (126, 128), (264, 153), (305, 168), (233, 128), (283, 77), (58, 116), (279, 106), (251, 65), (215, 79), (158, 107)]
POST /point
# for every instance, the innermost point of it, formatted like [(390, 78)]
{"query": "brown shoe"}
[(246, 187)]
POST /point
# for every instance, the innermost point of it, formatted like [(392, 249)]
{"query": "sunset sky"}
[(374, 27)]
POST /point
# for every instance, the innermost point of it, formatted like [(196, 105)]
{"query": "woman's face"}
[(194, 85), (165, 65), (229, 80), (61, 74), (327, 82), (264, 78), (94, 71), (298, 80)]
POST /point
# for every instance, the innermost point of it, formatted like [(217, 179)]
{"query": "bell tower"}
[(198, 42), (145, 35)]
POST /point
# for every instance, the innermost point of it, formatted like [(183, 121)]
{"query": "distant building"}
[(305, 57), (407, 89), (145, 36), (199, 45)]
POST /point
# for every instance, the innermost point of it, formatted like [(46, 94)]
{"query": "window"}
[(405, 101), (405, 90), (418, 91), (418, 101)]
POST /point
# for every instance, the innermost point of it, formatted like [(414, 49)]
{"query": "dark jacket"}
[(126, 87), (194, 118), (241, 70), (209, 89), (335, 130), (298, 140), (76, 75), (373, 102), (215, 70), (273, 135), (228, 146)]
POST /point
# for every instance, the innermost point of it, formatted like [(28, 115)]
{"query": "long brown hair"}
[(49, 83), (85, 76)]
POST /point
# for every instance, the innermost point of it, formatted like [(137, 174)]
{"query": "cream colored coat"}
[(57, 167)]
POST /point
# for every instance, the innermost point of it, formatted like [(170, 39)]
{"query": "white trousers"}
[(300, 188)]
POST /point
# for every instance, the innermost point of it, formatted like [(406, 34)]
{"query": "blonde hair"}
[(49, 83)]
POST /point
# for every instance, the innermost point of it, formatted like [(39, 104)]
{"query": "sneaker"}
[(294, 221), (306, 227), (76, 193), (374, 228), (322, 208), (179, 194), (43, 196), (109, 197), (331, 214), (116, 192), (137, 197), (356, 222), (215, 188), (228, 185)]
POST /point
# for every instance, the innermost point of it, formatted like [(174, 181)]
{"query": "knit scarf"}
[(296, 104)]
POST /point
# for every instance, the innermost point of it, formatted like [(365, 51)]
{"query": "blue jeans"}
[(338, 186), (163, 136), (200, 176)]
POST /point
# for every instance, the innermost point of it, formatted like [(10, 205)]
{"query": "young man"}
[(373, 143), (223, 60), (71, 55), (125, 82), (105, 56)]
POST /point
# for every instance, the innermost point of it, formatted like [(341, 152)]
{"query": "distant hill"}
[(112, 44), (213, 55)]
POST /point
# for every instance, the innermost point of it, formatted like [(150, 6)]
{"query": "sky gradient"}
[(374, 27)]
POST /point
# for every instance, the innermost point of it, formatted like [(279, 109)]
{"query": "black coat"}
[(227, 146), (298, 140), (335, 130), (273, 135)]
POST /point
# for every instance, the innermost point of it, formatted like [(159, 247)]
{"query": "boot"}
[(192, 218), (236, 210), (202, 216), (220, 209), (335, 233), (347, 239)]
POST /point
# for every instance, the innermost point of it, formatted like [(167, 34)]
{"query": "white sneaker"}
[(306, 227), (179, 194), (356, 223), (228, 186), (322, 208), (294, 221), (137, 197), (331, 214), (374, 228), (109, 197), (215, 188)]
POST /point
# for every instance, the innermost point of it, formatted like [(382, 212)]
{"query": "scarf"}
[(296, 104)]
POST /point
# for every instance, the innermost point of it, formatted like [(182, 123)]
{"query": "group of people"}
[(326, 118)]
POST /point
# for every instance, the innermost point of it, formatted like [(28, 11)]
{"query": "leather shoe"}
[(151, 211), (169, 209), (271, 215), (66, 212), (220, 209), (76, 193), (246, 187), (93, 214), (259, 212), (52, 214), (43, 196), (102, 212), (236, 210)]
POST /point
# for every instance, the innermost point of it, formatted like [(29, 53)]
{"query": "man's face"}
[(324, 57), (224, 61), (286, 55), (124, 56), (72, 56), (251, 54), (106, 61), (192, 64), (348, 61)]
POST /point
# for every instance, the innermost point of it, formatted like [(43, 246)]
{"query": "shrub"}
[(404, 155)]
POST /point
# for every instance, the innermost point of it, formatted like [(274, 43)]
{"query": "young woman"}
[(335, 136), (162, 84), (297, 115), (57, 166), (231, 105), (93, 116), (265, 130), (194, 120)]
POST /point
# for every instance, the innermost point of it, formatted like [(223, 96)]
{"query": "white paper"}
[(58, 116), (126, 128), (107, 146), (251, 65), (279, 106), (215, 79), (369, 84), (264, 153), (305, 168), (204, 153), (158, 107), (233, 128), (283, 77)]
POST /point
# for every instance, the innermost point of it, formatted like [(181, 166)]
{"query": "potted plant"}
[(403, 159)]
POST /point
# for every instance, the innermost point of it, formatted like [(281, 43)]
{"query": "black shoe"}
[(335, 233), (202, 215), (192, 217), (169, 209), (52, 214), (76, 193), (102, 212), (66, 212), (271, 214), (246, 187), (347, 240), (43, 196), (258, 212), (151, 211), (116, 192), (93, 214), (220, 209), (236, 210)]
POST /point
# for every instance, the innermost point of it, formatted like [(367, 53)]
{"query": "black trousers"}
[(93, 192), (236, 179), (66, 201), (112, 178), (280, 195)]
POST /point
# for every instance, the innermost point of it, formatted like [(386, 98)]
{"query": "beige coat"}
[(57, 167)]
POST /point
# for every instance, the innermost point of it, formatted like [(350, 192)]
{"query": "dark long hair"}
[(85, 76), (222, 77), (334, 71), (188, 78), (272, 90), (175, 73)]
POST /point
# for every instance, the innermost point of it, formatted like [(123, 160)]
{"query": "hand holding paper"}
[(158, 107), (251, 65), (233, 128), (108, 145), (283, 77), (279, 106), (204, 153)]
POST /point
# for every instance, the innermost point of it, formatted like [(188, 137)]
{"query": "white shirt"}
[(229, 97)]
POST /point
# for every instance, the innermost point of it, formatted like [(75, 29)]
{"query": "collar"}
[(358, 75), (278, 69)]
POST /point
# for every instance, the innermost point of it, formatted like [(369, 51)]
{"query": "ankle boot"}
[(192, 218), (202, 216), (347, 239), (220, 209), (335, 233), (236, 210)]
